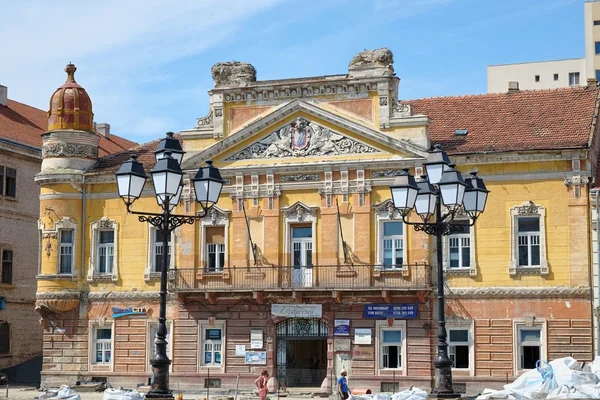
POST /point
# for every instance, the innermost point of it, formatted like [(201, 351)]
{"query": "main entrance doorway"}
[(301, 352)]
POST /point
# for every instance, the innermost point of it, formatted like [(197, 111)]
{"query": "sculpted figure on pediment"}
[(302, 138)]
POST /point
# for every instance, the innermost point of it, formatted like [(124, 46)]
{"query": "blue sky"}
[(146, 63)]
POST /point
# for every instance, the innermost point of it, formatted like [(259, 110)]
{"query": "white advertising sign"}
[(297, 310), (240, 350), (256, 339), (362, 336)]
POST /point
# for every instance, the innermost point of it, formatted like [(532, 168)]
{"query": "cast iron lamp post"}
[(167, 180), (443, 183)]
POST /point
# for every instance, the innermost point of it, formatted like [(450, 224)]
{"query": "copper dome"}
[(70, 106)]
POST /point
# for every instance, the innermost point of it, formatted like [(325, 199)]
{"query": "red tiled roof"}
[(521, 121), (24, 124)]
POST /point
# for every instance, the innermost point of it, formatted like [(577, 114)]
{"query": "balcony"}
[(314, 278)]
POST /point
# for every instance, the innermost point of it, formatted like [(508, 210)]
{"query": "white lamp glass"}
[(425, 204), (470, 201), (435, 172), (159, 180), (201, 188)]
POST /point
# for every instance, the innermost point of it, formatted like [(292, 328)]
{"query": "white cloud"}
[(118, 47)]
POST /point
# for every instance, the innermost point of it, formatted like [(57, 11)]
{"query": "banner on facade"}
[(256, 357), (123, 312), (382, 311), (362, 336), (341, 327), (297, 310)]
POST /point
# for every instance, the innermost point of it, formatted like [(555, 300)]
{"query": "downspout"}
[(597, 271), (83, 226)]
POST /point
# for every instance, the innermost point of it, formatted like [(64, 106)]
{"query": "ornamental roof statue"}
[(70, 106)]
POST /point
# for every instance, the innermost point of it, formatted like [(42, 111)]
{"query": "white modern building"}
[(556, 73)]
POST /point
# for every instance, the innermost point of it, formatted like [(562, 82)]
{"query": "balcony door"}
[(302, 247)]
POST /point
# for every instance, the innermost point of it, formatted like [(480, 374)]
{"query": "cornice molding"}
[(59, 295), (519, 292)]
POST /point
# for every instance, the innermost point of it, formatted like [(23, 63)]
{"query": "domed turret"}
[(70, 106), (70, 145)]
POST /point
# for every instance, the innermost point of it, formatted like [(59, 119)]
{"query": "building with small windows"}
[(21, 127), (304, 267), (554, 74)]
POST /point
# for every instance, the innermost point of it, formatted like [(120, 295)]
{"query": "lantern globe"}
[(404, 192), (171, 145), (452, 187), (131, 179), (166, 176), (437, 162), (475, 195), (208, 184), (426, 199)]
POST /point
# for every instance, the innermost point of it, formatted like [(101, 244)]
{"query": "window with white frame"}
[(529, 346), (528, 241), (105, 251), (458, 347), (157, 250), (102, 345), (215, 248), (391, 348), (392, 244), (459, 247), (65, 254), (212, 346)]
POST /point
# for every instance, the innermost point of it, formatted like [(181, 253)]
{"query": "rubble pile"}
[(563, 378)]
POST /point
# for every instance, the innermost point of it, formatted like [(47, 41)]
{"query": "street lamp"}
[(167, 180), (442, 184)]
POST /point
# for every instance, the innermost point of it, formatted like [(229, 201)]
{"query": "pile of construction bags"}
[(408, 394), (563, 378)]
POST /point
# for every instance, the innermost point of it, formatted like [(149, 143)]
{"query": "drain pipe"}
[(597, 192), (83, 226)]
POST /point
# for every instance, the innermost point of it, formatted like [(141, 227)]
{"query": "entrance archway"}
[(298, 339)]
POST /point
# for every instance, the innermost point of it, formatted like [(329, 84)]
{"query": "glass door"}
[(302, 247)]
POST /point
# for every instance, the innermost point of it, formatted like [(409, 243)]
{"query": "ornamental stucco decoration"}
[(205, 121), (521, 292), (299, 139), (528, 209), (372, 58), (69, 150), (300, 178), (233, 74), (216, 216), (401, 110), (385, 173)]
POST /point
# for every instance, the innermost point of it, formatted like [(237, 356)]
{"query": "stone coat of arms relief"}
[(302, 138)]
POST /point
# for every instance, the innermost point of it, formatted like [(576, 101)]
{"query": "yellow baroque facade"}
[(308, 163)]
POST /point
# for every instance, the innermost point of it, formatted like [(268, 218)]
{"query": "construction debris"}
[(563, 378), (64, 393)]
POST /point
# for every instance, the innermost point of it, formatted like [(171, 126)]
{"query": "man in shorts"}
[(343, 385)]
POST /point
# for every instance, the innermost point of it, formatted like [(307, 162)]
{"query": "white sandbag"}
[(595, 367), (65, 393), (360, 397), (410, 394), (568, 372), (489, 394), (122, 394), (381, 396)]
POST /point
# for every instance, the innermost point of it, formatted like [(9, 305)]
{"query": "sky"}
[(146, 63)]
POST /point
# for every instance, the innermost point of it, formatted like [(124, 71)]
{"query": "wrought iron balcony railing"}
[(317, 277)]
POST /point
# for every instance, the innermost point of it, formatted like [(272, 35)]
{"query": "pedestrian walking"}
[(343, 385), (261, 384)]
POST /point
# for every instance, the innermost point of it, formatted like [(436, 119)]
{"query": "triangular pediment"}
[(302, 130)]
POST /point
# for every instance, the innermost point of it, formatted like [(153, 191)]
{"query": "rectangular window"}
[(103, 345), (11, 182), (530, 347), (459, 247), (596, 22), (555, 77), (212, 346), (392, 245), (597, 48), (215, 257), (391, 348), (4, 338), (537, 78), (1, 180), (7, 266), (528, 240), (106, 247), (458, 347), (573, 78), (65, 262), (158, 251), (598, 75)]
